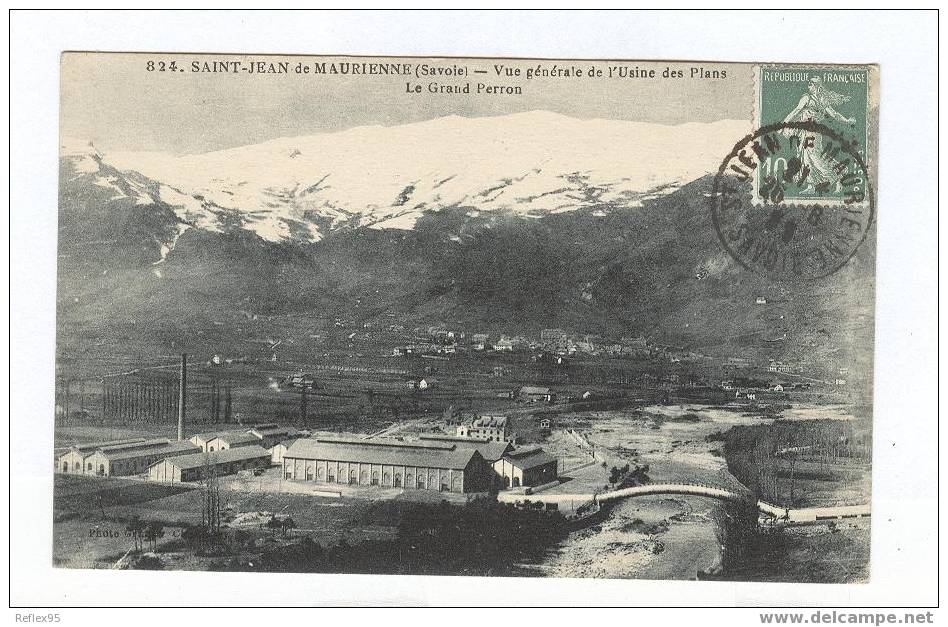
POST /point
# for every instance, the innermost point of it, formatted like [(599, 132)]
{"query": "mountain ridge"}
[(530, 164), (164, 262)]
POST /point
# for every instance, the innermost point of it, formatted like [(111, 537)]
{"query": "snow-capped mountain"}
[(513, 223), (528, 165)]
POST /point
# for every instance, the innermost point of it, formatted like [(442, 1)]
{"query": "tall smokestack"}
[(182, 394)]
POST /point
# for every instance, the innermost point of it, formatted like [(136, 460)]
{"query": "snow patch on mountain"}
[(528, 165)]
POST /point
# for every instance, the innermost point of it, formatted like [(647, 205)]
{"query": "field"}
[(92, 514)]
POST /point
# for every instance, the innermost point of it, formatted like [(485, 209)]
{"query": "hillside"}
[(489, 222)]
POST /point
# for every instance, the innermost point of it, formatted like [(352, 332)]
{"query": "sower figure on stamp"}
[(816, 105)]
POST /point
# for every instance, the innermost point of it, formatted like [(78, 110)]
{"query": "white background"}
[(904, 547)]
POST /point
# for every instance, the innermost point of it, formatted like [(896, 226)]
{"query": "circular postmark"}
[(793, 201)]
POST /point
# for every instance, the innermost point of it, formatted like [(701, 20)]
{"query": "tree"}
[(273, 524), (287, 524), (211, 512), (154, 531), (135, 528)]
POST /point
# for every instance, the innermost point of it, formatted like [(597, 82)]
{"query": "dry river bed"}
[(672, 537)]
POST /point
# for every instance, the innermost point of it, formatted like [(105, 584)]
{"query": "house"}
[(779, 366), (419, 465), (134, 460), (551, 358), (760, 300), (526, 467), (546, 424), (197, 466), (494, 428), (554, 339), (531, 394), (776, 387), (479, 341), (421, 384), (504, 344), (301, 381)]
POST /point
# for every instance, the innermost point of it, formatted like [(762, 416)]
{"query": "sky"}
[(113, 100)]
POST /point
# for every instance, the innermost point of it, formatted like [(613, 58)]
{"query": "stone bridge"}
[(767, 510)]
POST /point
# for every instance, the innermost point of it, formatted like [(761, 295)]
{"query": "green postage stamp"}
[(819, 118)]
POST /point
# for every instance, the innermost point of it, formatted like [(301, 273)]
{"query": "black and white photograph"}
[(466, 317), (399, 308)]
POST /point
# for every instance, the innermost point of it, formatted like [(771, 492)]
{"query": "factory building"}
[(133, 459), (197, 466), (73, 462), (526, 467), (278, 450), (532, 394), (271, 433), (71, 459), (265, 435), (118, 457), (438, 466), (491, 450), (232, 439), (201, 439)]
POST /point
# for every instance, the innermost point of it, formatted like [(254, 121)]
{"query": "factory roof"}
[(490, 450), (269, 430), (131, 446), (529, 457), (390, 453), (166, 449), (92, 446), (236, 437), (529, 389), (197, 460), (207, 435)]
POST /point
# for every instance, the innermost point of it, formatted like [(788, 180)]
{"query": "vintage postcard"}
[(465, 316)]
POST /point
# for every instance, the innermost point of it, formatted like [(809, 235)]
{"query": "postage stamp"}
[(765, 231), (836, 97)]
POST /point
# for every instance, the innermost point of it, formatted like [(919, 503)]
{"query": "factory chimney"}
[(182, 394)]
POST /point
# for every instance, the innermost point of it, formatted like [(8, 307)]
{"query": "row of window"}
[(388, 480), (77, 467)]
